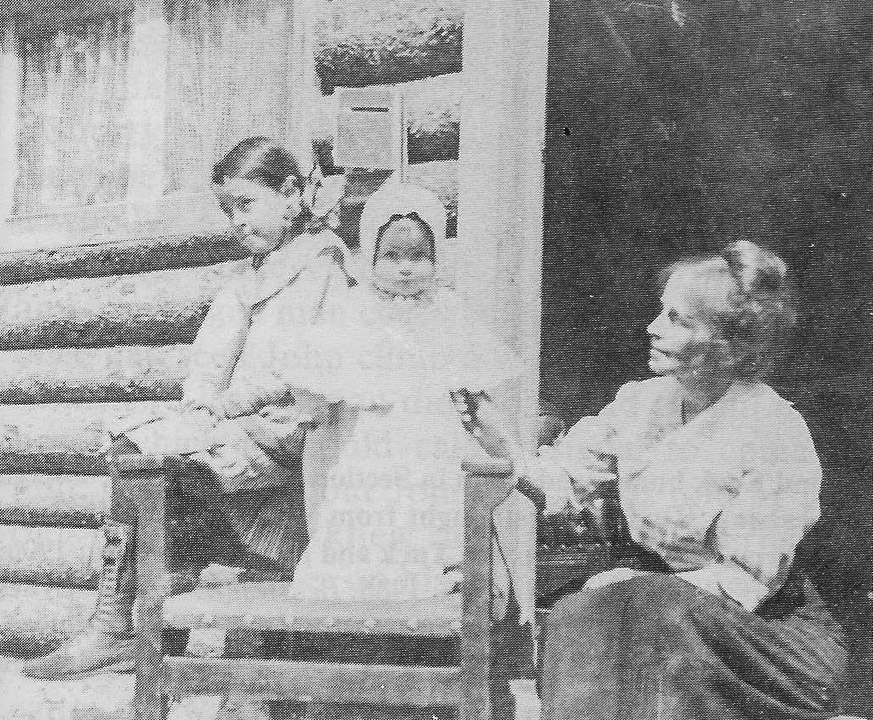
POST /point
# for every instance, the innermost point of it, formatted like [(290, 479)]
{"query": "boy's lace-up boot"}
[(107, 643)]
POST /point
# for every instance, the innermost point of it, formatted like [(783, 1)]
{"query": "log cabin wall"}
[(98, 304), (98, 314)]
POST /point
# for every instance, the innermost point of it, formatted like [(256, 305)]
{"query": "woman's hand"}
[(722, 581)]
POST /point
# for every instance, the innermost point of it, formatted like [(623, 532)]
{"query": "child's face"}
[(257, 213), (404, 263)]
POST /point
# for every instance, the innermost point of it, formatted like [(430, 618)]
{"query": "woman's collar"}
[(737, 393)]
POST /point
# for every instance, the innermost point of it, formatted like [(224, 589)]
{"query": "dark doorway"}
[(674, 129)]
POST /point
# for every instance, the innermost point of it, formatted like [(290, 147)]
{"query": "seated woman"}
[(718, 480)]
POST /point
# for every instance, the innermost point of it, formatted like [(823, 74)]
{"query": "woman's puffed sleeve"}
[(757, 533), (584, 459)]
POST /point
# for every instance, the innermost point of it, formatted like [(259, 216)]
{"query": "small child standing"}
[(386, 519)]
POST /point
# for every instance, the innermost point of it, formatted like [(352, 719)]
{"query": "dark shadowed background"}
[(677, 129)]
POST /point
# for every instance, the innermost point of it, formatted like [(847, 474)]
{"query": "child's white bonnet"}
[(397, 198)]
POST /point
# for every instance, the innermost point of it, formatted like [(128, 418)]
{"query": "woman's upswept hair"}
[(745, 293), (260, 160)]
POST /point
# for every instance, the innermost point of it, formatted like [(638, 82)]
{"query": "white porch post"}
[(146, 103), (10, 91), (500, 182)]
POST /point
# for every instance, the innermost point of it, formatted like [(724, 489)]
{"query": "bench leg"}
[(150, 702)]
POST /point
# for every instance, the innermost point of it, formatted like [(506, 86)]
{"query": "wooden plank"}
[(381, 685), (267, 606), (10, 90), (63, 438), (301, 85), (146, 107), (485, 486), (149, 482), (115, 374), (156, 308), (54, 500), (60, 557), (35, 619)]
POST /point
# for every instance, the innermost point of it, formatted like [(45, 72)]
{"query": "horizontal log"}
[(357, 42), (36, 619), (365, 42), (60, 557), (154, 308), (114, 374), (54, 500), (59, 439), (118, 258)]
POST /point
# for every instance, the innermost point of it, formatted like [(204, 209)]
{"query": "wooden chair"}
[(481, 686)]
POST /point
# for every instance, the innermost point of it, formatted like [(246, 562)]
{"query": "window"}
[(72, 139), (130, 109)]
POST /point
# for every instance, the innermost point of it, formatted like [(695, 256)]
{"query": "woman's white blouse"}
[(731, 492)]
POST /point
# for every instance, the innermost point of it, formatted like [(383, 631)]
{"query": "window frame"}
[(146, 210)]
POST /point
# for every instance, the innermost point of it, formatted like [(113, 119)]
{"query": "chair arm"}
[(147, 474), (502, 468)]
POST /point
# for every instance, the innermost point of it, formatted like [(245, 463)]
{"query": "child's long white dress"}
[(388, 520)]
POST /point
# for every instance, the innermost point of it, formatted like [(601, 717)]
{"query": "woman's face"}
[(257, 213), (681, 340), (404, 263)]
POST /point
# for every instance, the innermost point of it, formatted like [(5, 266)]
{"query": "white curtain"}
[(72, 139), (235, 68), (231, 67)]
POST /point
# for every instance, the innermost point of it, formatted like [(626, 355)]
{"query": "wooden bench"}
[(87, 334), (478, 684)]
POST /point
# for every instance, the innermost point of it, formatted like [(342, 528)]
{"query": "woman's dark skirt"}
[(658, 648)]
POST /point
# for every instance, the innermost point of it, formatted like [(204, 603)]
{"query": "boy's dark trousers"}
[(201, 530)]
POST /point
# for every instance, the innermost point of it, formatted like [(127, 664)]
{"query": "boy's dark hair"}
[(260, 160)]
